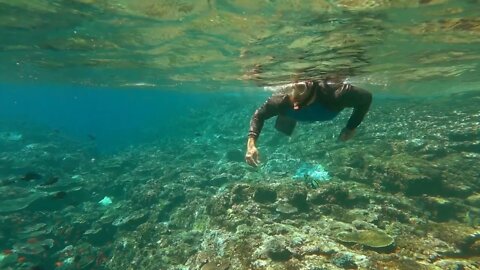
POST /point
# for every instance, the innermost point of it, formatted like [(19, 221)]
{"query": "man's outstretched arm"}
[(269, 109), (360, 100)]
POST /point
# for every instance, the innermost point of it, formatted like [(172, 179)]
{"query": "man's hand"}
[(252, 153), (346, 134)]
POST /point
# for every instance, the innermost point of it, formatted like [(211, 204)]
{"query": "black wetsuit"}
[(331, 98)]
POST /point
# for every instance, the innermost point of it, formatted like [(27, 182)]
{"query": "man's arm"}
[(360, 100), (269, 109)]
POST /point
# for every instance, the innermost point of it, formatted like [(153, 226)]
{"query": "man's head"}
[(301, 94)]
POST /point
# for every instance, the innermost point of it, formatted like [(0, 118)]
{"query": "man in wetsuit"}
[(309, 101)]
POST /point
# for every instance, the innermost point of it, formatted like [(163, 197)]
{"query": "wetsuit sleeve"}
[(269, 109), (357, 98)]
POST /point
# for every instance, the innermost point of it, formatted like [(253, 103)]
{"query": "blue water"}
[(114, 118)]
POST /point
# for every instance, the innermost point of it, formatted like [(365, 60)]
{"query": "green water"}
[(123, 130)]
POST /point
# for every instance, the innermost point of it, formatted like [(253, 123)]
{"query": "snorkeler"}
[(308, 101)]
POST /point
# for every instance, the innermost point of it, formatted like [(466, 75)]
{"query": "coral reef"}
[(403, 195)]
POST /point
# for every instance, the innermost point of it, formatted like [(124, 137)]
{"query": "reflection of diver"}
[(309, 101)]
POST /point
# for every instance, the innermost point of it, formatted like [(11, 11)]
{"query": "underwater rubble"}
[(404, 194)]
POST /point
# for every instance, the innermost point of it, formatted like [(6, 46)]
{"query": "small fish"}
[(59, 195), (52, 180), (91, 137), (472, 218), (7, 182), (31, 176), (32, 240)]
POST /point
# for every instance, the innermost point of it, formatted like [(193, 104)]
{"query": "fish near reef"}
[(7, 182), (31, 176), (50, 181), (472, 218), (59, 195)]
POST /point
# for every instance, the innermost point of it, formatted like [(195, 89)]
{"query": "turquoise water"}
[(123, 129)]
